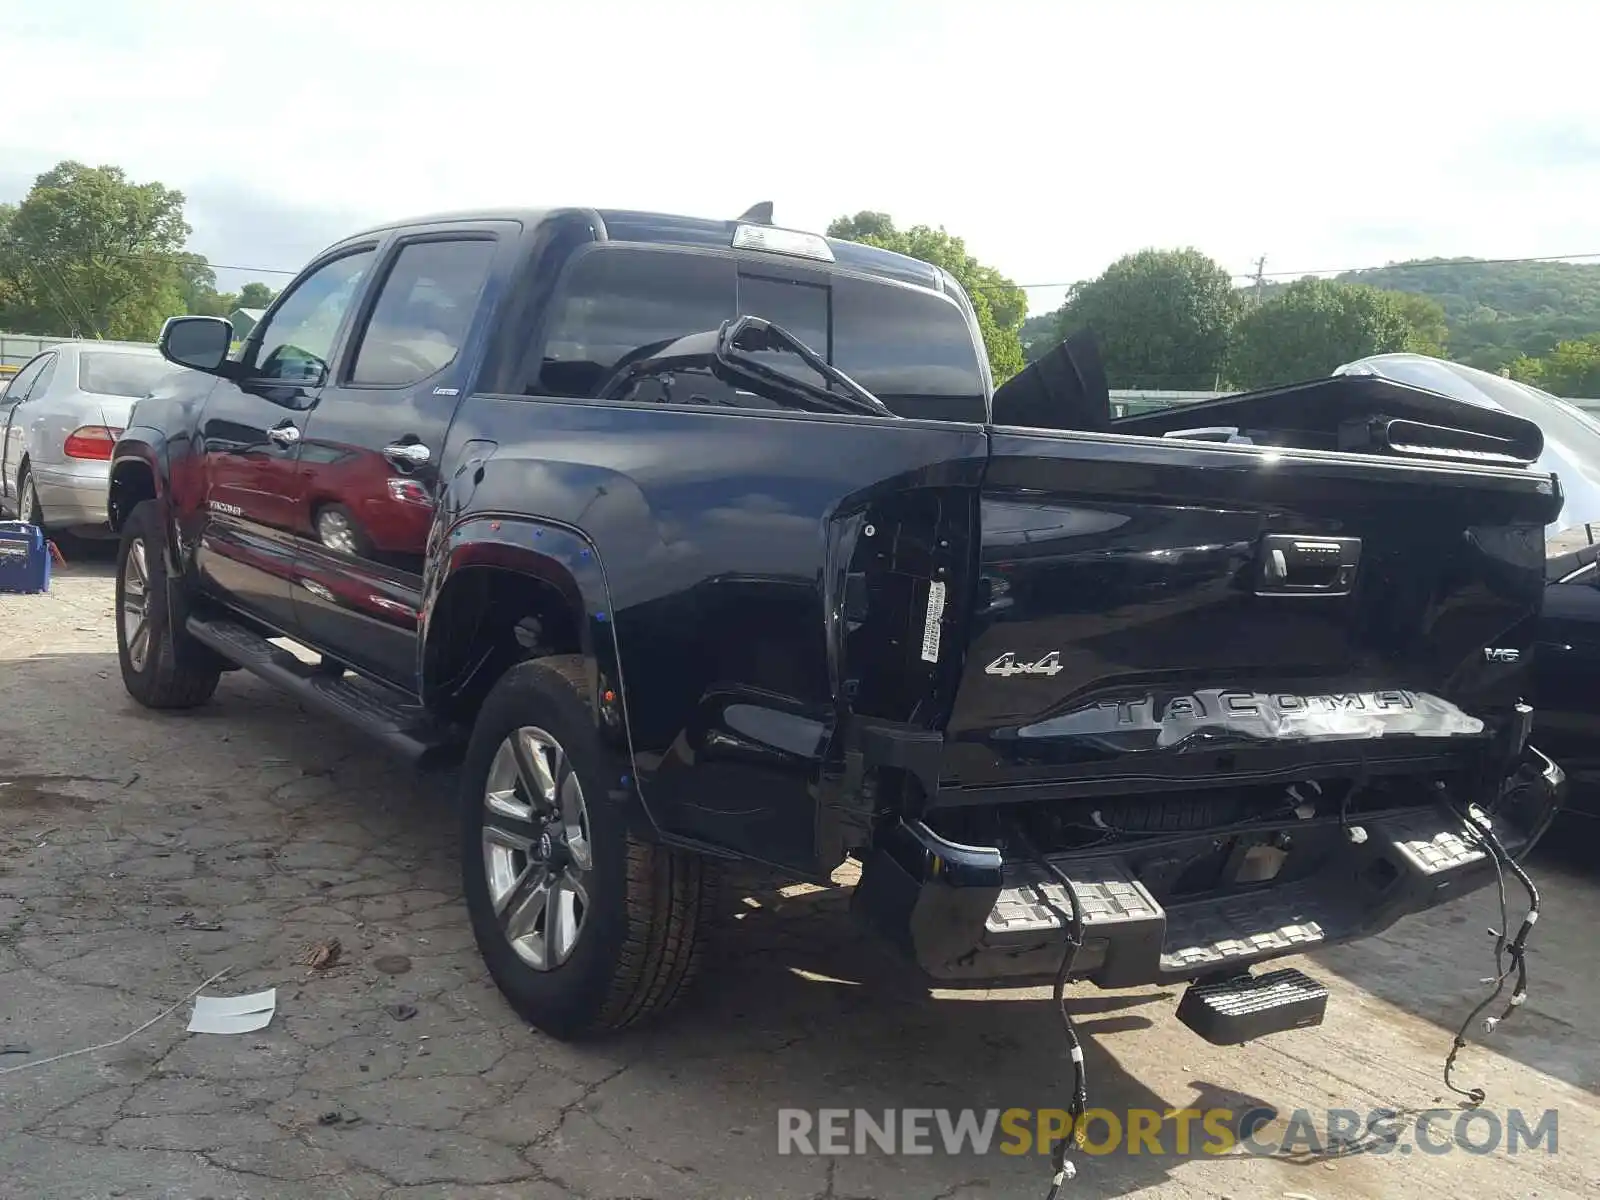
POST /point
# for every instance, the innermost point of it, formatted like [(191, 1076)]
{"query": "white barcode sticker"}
[(930, 626)]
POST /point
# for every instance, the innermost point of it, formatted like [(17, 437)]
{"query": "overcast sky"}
[(1053, 136)]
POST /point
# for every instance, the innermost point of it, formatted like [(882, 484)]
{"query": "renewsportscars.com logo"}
[(831, 1132)]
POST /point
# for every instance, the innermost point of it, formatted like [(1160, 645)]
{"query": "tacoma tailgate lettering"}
[(1158, 722)]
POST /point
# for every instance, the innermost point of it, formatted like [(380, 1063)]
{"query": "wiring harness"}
[(1073, 923), (1510, 954)]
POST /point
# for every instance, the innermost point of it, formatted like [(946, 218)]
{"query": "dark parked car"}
[(1565, 688), (735, 553)]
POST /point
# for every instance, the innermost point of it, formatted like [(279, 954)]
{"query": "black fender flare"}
[(147, 446), (564, 559)]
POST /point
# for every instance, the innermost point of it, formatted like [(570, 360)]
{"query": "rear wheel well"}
[(485, 621), (132, 482)]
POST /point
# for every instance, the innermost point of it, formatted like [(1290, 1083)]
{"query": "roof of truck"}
[(629, 226)]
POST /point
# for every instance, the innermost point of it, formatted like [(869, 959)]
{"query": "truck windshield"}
[(911, 348)]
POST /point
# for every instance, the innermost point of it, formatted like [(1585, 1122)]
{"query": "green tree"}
[(1163, 319), (254, 295), (865, 226), (1040, 334), (999, 304), (1313, 326), (197, 284), (1525, 369), (92, 253), (1572, 369), (1430, 330)]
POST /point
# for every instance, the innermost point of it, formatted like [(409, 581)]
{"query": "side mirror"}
[(200, 343)]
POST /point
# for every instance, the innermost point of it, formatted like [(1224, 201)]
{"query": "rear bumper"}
[(72, 494), (969, 914)]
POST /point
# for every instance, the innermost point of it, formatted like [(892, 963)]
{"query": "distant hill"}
[(1498, 310)]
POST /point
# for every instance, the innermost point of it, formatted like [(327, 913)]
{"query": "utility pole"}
[(1261, 278)]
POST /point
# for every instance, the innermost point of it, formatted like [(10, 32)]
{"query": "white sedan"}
[(59, 420)]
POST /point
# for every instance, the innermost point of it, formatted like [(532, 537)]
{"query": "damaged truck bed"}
[(1237, 671)]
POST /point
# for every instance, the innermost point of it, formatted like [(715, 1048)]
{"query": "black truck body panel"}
[(1137, 563), (820, 634), (712, 531)]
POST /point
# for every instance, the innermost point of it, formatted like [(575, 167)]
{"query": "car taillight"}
[(92, 441)]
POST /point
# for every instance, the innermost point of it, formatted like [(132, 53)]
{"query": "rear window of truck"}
[(911, 348)]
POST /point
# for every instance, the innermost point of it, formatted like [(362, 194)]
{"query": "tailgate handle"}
[(1295, 565)]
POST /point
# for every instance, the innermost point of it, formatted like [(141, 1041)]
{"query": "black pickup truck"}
[(690, 541)]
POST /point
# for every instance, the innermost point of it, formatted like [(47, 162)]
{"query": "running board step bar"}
[(1227, 1012), (377, 711)]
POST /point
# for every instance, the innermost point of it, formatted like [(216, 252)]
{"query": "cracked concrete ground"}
[(140, 853)]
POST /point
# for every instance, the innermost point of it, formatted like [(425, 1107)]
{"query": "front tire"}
[(162, 667), (584, 928)]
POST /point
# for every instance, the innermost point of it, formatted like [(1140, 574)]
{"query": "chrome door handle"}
[(284, 435), (407, 454)]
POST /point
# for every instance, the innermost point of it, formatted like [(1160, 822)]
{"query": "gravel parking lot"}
[(140, 853)]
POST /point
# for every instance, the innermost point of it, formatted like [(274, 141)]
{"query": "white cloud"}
[(1054, 136)]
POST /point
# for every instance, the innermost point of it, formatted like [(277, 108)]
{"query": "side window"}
[(22, 381), (423, 312), (293, 344), (624, 303)]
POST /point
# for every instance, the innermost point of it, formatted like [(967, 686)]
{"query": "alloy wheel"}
[(136, 605), (537, 856)]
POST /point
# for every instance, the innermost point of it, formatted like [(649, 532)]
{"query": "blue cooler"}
[(24, 558)]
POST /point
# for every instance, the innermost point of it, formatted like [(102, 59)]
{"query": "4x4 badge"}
[(1008, 665)]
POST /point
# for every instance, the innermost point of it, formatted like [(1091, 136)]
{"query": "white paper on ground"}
[(233, 1014)]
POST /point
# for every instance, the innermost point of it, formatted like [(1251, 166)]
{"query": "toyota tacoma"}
[(691, 541)]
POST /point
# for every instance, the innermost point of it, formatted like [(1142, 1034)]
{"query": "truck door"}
[(368, 470), (250, 433)]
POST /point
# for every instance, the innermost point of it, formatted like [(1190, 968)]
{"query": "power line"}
[(180, 260), (1415, 264), (1248, 276), (1427, 264)]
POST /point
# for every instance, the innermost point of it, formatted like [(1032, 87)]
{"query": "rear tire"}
[(638, 915), (162, 667), (28, 498)]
